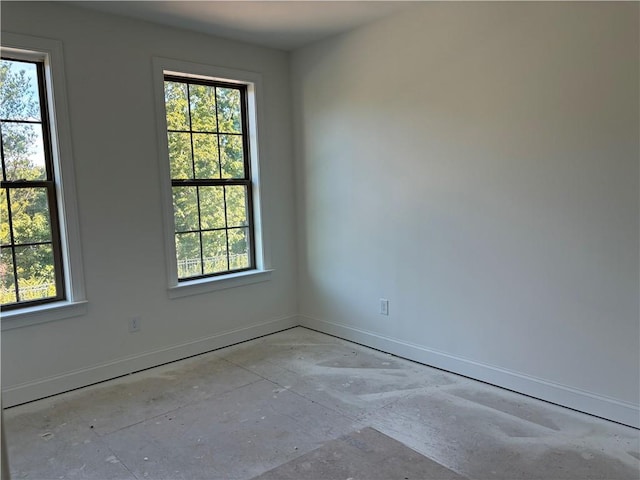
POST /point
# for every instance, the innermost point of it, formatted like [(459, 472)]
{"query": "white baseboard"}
[(587, 402), (594, 404), (26, 392)]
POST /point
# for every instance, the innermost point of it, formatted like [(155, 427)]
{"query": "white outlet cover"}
[(384, 306)]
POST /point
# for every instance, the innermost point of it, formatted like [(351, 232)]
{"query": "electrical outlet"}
[(134, 324), (384, 306)]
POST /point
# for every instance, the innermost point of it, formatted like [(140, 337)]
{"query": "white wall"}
[(108, 66), (477, 165)]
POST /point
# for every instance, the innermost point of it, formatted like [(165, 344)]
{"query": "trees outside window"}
[(210, 176)]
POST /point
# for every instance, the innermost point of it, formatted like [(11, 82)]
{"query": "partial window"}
[(41, 272), (210, 169), (31, 271)]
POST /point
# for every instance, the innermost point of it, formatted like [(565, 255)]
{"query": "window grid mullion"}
[(193, 163), (13, 249), (224, 189), (193, 171), (170, 130), (200, 231), (14, 120), (209, 182), (16, 184), (12, 240), (204, 230), (218, 135), (226, 226), (4, 173), (28, 244)]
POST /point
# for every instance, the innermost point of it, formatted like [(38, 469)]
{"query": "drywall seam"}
[(563, 395), (44, 387)]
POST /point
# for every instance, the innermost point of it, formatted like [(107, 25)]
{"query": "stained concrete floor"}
[(241, 411)]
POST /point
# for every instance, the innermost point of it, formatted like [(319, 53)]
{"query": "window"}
[(40, 269), (31, 270), (210, 176), (207, 125)]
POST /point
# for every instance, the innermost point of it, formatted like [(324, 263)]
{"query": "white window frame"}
[(50, 52), (253, 82)]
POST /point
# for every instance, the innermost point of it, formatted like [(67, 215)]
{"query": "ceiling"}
[(284, 25)]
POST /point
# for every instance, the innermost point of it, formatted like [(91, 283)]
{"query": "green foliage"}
[(212, 207), (205, 153), (203, 108), (176, 104), (180, 155), (229, 110)]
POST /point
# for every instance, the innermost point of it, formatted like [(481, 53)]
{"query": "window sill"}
[(206, 285), (42, 314)]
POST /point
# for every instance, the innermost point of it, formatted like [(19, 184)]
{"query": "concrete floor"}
[(240, 411)]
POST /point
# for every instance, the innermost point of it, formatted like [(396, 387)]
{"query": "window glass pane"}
[(19, 91), (238, 248), (7, 283), (23, 150), (203, 108), (214, 251), (185, 208), (5, 237), (232, 156), (236, 206), (180, 155), (205, 151), (211, 207), (188, 255), (176, 105), (30, 215), (36, 277), (229, 112)]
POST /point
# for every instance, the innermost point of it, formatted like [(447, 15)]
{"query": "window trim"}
[(253, 82), (51, 52)]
